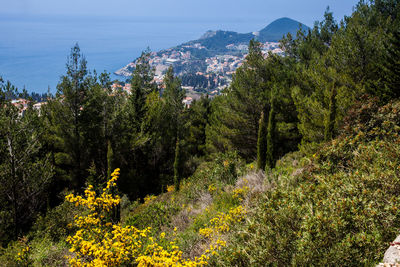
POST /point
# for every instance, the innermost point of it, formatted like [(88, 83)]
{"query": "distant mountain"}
[(280, 27), (217, 41)]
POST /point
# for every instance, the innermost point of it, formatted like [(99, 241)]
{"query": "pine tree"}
[(235, 114), (197, 120), (262, 143), (98, 115), (67, 119), (141, 85), (234, 120), (25, 166)]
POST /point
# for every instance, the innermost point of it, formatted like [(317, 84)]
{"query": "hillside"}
[(296, 163), (336, 207), (280, 27)]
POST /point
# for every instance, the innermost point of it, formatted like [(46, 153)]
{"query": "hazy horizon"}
[(37, 35), (305, 11)]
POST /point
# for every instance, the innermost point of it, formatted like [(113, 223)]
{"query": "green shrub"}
[(155, 215), (55, 224), (341, 210), (45, 252)]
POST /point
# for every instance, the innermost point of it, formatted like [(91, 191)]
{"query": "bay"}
[(34, 49)]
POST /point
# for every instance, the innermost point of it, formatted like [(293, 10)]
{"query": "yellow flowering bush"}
[(220, 225), (240, 193), (99, 242), (212, 188), (170, 188), (222, 222), (23, 256), (148, 199)]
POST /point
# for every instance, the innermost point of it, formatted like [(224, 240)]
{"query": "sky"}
[(306, 11)]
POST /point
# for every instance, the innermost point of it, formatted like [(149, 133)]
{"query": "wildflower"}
[(101, 243)]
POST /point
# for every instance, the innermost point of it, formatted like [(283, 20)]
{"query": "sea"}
[(34, 49)]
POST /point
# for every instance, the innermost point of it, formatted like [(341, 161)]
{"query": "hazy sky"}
[(306, 11)]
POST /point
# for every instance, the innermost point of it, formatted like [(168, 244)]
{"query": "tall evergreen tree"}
[(25, 167), (177, 172), (173, 95), (270, 157), (262, 142), (109, 159), (98, 115), (196, 121), (331, 116), (234, 120), (235, 114), (141, 85), (66, 118), (391, 69)]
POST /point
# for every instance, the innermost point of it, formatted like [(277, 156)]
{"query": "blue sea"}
[(34, 49)]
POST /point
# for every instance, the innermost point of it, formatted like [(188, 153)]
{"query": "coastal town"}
[(199, 72), (212, 75)]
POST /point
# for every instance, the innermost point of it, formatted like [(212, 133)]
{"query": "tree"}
[(391, 69), (236, 113), (109, 159), (196, 121), (173, 96), (261, 143), (25, 168), (141, 85), (140, 128), (331, 117), (234, 120), (270, 157), (66, 119), (177, 178), (98, 118)]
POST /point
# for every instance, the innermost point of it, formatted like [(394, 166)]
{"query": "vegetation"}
[(296, 163)]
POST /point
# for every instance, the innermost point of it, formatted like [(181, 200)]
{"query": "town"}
[(199, 72)]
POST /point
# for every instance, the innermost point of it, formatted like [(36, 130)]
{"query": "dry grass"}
[(183, 219)]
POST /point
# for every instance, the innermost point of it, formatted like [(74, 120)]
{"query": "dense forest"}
[(295, 163)]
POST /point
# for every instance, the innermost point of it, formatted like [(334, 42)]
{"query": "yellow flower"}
[(99, 243), (170, 188)]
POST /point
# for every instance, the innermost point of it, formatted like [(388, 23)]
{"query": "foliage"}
[(177, 163), (261, 142), (271, 129), (233, 123), (342, 209), (331, 203), (152, 214), (100, 242), (25, 167)]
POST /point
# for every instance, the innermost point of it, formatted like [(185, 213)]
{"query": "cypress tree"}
[(391, 69), (176, 166), (110, 155), (261, 143), (173, 95), (270, 160), (331, 116)]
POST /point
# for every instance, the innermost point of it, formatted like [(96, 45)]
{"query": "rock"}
[(392, 254)]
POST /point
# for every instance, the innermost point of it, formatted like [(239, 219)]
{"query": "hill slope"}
[(280, 27), (219, 40)]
